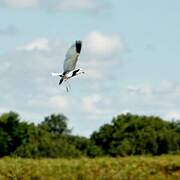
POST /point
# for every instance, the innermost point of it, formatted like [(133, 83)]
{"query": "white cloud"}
[(125, 111), (101, 44), (160, 99), (96, 106), (22, 3), (165, 88), (79, 5), (3, 110), (90, 102), (100, 53), (172, 114), (144, 89), (37, 44), (69, 5), (56, 102), (60, 102), (89, 6)]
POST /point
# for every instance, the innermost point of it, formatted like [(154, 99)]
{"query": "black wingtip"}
[(78, 46)]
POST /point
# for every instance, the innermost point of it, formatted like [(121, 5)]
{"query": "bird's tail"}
[(60, 75), (57, 74)]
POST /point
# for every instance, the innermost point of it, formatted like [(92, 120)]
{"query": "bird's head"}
[(80, 72)]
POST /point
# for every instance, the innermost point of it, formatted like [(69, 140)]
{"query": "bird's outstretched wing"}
[(72, 56)]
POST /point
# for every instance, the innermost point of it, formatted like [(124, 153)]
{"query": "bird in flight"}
[(70, 61)]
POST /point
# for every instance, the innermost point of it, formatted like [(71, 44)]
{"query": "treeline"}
[(125, 135)]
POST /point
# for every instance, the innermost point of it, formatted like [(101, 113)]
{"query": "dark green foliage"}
[(94, 151), (133, 135), (55, 124), (50, 139), (85, 146), (13, 133), (125, 135)]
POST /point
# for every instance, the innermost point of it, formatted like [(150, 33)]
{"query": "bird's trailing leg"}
[(68, 86)]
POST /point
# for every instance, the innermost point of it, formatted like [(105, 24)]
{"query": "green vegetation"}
[(50, 151), (135, 168), (134, 135), (125, 135)]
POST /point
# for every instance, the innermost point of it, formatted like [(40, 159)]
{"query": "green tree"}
[(51, 138), (56, 124), (132, 134), (13, 133)]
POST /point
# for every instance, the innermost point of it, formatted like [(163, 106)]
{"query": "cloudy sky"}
[(130, 54)]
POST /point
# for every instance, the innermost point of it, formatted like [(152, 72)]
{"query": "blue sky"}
[(130, 53)]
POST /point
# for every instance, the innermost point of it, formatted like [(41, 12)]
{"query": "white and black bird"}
[(70, 61)]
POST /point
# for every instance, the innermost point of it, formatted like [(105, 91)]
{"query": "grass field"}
[(130, 168)]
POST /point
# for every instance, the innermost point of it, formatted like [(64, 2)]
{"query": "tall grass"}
[(127, 168)]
